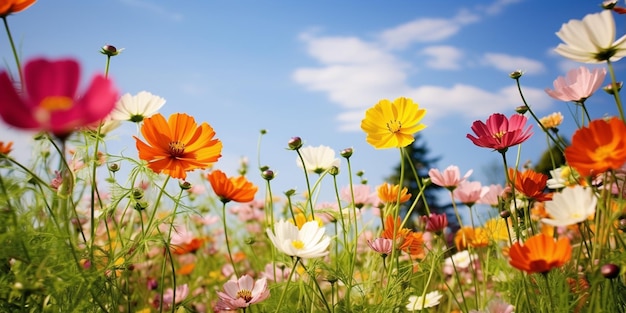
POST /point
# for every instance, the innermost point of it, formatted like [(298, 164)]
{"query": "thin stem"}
[(14, 50), (282, 296), (308, 184), (614, 85), (230, 255)]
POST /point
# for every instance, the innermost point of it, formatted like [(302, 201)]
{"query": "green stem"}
[(230, 255), (14, 50), (618, 100), (308, 184), (282, 296)]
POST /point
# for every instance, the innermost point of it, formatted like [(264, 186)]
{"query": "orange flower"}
[(186, 269), (13, 6), (388, 193), (540, 254), (406, 240), (6, 148), (237, 189), (178, 145), (530, 183), (471, 237), (598, 148), (188, 247)]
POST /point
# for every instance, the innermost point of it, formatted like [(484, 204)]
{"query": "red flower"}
[(500, 133), (50, 101)]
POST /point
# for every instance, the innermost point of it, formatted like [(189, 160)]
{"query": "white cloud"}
[(498, 6), (508, 63), (443, 57), (425, 30)]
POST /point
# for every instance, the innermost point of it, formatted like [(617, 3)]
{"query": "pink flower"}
[(381, 245), (436, 223), (449, 178), (243, 292), (500, 133), (578, 85), (492, 196), (363, 196), (50, 101), (182, 292), (469, 193), (278, 272)]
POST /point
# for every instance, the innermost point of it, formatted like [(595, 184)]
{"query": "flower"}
[(436, 223), (392, 124), (597, 148), (317, 159), (6, 148), (571, 206), (182, 292), (383, 246), (552, 121), (389, 193), (449, 178), (308, 242), (363, 195), (406, 240), (540, 253), (530, 183), (237, 189), (55, 108), (431, 299), (243, 292), (178, 145), (469, 193), (13, 6), (500, 133), (578, 85), (136, 108), (461, 260), (492, 196), (591, 40), (471, 237)]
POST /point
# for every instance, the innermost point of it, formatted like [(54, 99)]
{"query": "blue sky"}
[(312, 68)]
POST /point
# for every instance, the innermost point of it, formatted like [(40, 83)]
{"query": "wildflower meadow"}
[(84, 230)]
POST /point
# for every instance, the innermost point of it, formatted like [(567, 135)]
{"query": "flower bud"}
[(250, 240), (609, 4), (516, 74), (263, 131), (333, 171), (141, 205), (360, 173), (505, 214), (346, 153), (110, 50), (137, 194), (290, 192), (185, 185), (610, 270), (114, 167), (268, 174), (609, 88), (295, 143), (522, 109)]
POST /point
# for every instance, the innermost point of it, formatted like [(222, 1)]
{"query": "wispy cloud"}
[(498, 6), (154, 8), (509, 63), (443, 57)]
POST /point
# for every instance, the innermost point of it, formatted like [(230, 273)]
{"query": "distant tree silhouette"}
[(550, 159)]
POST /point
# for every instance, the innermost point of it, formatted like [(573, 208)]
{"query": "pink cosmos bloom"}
[(50, 101), (578, 85), (500, 133), (492, 196), (278, 272), (244, 292), (381, 245), (436, 223), (182, 292), (449, 178), (469, 193), (363, 195)]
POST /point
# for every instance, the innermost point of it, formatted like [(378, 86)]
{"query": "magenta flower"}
[(383, 246), (243, 292), (578, 85), (435, 223), (469, 193), (500, 133), (449, 178), (50, 101)]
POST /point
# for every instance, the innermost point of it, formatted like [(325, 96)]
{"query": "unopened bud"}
[(114, 167), (346, 153), (522, 109), (137, 194), (141, 205), (610, 90), (333, 171), (516, 74), (295, 143), (505, 214), (268, 174), (610, 270), (110, 50), (609, 4), (184, 185), (290, 192)]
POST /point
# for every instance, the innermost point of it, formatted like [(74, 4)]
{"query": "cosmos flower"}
[(530, 183), (14, 6), (578, 85), (429, 300), (136, 108), (389, 193), (237, 189), (308, 242), (571, 206), (469, 193), (406, 239), (435, 223), (471, 237), (383, 246), (178, 145), (552, 121), (449, 178), (55, 107), (597, 148), (540, 253), (243, 292), (6, 147), (591, 40), (500, 133), (392, 124), (318, 159)]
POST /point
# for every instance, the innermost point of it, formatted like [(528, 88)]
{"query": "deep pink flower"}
[(449, 178), (500, 133), (577, 85), (243, 292), (469, 193), (383, 246), (50, 101), (435, 223)]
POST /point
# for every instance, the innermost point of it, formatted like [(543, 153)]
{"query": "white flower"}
[(318, 159), (308, 242), (136, 108), (591, 40), (418, 302), (462, 260), (571, 206)]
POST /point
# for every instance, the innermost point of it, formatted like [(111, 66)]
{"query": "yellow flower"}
[(552, 121), (393, 124)]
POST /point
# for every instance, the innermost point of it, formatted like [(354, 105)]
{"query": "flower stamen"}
[(176, 148), (56, 103), (244, 294), (394, 126)]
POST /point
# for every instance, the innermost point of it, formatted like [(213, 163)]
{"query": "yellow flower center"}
[(244, 294), (176, 148), (56, 103), (499, 134), (298, 244), (602, 153), (394, 126)]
